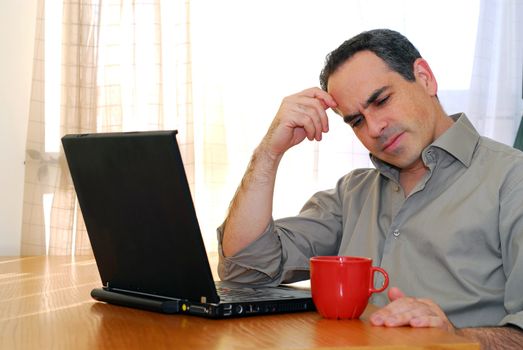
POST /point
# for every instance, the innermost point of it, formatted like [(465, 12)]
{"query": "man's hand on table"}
[(408, 311)]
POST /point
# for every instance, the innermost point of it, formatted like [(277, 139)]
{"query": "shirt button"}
[(396, 188), (396, 233)]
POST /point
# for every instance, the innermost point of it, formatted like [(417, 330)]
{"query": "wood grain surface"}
[(45, 303)]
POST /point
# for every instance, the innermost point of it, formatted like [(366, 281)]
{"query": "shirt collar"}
[(459, 141)]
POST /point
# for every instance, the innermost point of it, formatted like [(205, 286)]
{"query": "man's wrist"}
[(264, 152), (501, 337)]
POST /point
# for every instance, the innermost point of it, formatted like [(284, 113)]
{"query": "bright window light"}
[(52, 54)]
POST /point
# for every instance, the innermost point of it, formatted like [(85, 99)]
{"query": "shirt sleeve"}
[(281, 254), (511, 237)]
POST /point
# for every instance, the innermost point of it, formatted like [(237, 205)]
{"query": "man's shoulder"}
[(499, 162), (499, 152)]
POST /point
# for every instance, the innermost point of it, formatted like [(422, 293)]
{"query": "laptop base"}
[(149, 303), (216, 311)]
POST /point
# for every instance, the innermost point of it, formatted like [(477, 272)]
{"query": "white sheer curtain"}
[(104, 72), (219, 69), (495, 99)]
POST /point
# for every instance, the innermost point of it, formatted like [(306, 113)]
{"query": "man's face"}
[(395, 119)]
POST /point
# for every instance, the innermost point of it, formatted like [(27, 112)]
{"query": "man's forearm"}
[(507, 337), (300, 116), (251, 208)]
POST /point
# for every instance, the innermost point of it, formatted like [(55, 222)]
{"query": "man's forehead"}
[(353, 100), (365, 102)]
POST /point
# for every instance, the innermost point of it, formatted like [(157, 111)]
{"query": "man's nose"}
[(376, 125)]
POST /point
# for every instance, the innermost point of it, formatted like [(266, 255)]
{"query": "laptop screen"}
[(139, 214)]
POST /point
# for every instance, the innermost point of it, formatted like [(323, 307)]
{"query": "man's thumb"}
[(395, 293)]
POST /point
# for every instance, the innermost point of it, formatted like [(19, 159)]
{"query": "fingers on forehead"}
[(322, 95)]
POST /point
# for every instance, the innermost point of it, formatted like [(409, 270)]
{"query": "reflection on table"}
[(45, 303)]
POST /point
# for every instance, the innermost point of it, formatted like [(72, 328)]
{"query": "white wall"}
[(17, 32)]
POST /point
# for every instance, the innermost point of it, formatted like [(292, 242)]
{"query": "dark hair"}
[(392, 47)]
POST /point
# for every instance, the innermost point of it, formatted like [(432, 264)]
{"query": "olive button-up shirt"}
[(456, 239)]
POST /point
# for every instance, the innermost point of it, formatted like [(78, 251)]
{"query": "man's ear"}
[(425, 77)]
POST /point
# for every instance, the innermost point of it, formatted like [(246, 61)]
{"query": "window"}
[(243, 57)]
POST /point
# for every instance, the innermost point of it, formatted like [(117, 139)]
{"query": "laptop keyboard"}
[(246, 293)]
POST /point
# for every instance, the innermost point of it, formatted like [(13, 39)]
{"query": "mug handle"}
[(374, 269)]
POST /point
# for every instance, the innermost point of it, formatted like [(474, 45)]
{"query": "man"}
[(442, 212)]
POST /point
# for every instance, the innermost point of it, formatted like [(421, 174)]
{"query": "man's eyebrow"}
[(373, 97), (350, 117)]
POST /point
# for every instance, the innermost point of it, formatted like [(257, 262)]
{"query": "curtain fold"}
[(111, 80), (78, 114), (36, 163), (495, 103)]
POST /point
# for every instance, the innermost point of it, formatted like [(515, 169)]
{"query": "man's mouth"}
[(392, 142)]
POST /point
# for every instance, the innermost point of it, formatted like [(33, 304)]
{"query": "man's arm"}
[(418, 313), (299, 116), (506, 337)]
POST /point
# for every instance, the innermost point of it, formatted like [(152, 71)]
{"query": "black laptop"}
[(142, 225)]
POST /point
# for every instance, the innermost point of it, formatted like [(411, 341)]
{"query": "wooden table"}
[(45, 304)]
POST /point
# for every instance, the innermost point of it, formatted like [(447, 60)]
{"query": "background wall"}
[(17, 31)]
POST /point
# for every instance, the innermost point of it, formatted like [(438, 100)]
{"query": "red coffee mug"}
[(341, 285)]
